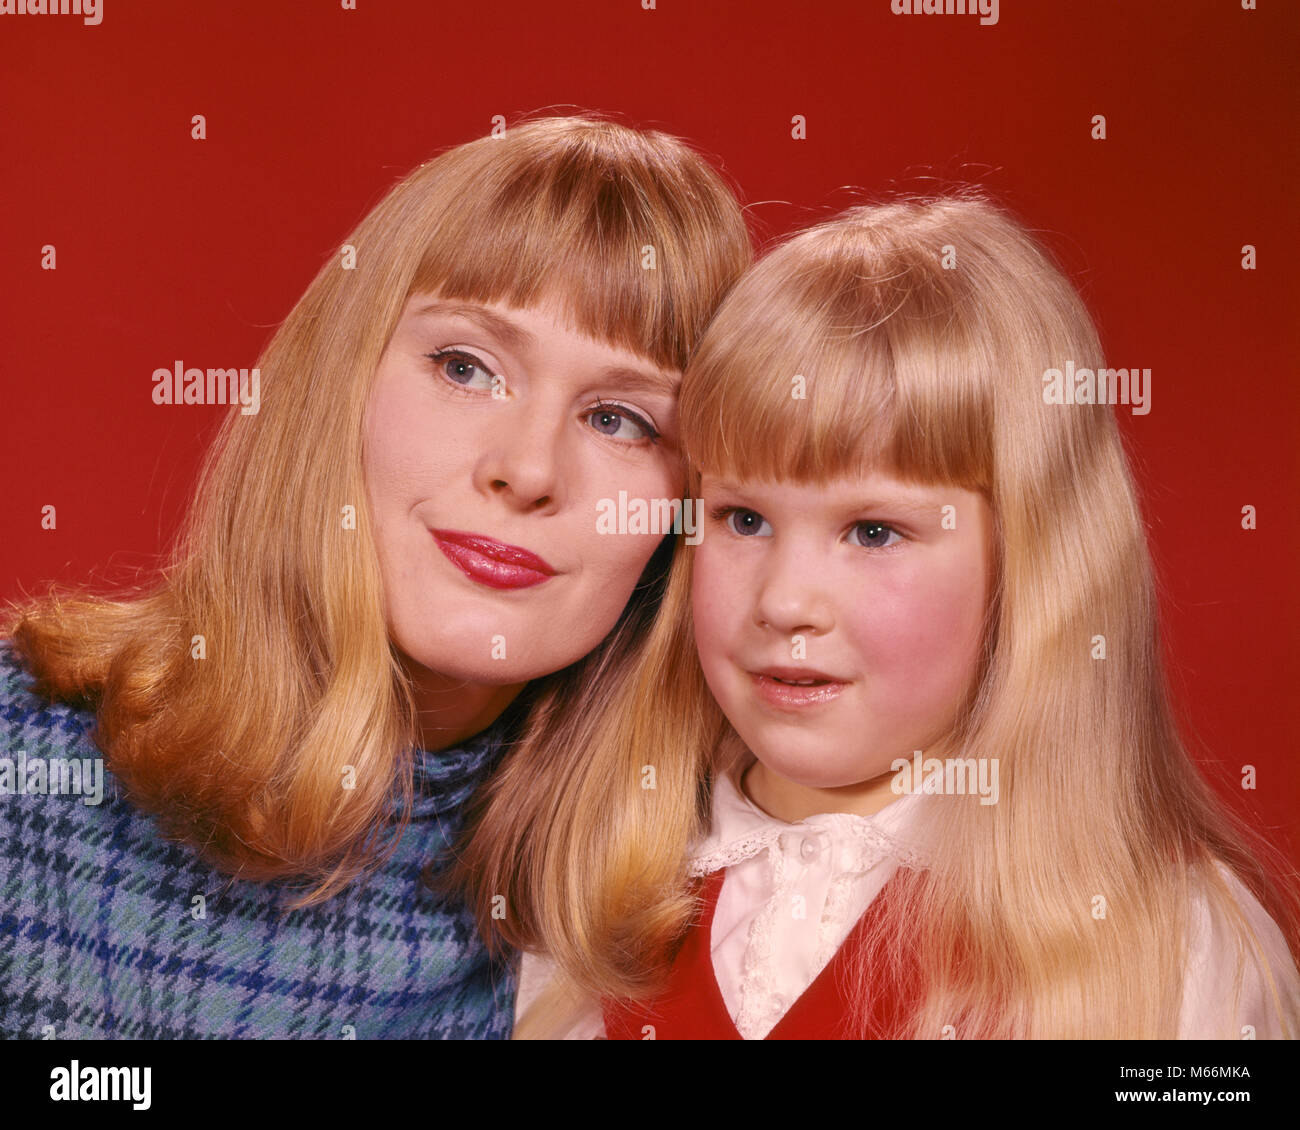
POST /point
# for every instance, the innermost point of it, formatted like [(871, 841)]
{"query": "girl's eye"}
[(620, 422), (874, 535), (463, 369), (746, 523)]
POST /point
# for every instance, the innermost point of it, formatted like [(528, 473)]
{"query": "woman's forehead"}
[(524, 327)]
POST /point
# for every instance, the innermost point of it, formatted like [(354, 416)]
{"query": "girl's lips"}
[(786, 696), (491, 562)]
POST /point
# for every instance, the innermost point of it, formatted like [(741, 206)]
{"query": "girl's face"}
[(839, 626), (492, 432)]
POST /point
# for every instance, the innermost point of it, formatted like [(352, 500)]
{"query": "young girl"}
[(273, 742), (902, 762)]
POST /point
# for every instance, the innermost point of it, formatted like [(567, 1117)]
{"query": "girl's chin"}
[(808, 773)]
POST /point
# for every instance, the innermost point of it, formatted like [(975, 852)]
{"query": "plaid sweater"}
[(103, 932)]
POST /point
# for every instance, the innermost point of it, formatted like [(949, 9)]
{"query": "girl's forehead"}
[(869, 481)]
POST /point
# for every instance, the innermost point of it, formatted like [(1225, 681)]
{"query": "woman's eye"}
[(874, 535), (620, 423), (463, 369), (746, 523)]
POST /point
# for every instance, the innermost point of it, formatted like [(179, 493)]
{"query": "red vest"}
[(691, 1006)]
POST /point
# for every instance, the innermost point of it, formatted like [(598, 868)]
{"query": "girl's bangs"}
[(820, 374)]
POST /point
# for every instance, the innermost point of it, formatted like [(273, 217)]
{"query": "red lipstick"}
[(491, 562)]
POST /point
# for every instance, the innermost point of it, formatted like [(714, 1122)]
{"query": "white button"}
[(810, 849)]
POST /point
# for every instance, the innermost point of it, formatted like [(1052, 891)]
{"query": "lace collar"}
[(742, 830)]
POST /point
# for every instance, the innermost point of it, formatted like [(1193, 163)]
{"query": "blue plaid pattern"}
[(101, 937)]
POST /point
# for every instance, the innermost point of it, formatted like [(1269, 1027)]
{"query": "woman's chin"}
[(509, 666)]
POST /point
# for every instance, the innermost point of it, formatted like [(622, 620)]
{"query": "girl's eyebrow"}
[(520, 340), (914, 509)]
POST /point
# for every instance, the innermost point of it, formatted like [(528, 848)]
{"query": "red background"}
[(170, 248)]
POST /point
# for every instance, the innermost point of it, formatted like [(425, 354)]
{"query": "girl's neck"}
[(789, 801)]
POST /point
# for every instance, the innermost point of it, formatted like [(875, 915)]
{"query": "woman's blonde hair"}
[(923, 329), (242, 753)]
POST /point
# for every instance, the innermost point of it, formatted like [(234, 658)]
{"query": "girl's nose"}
[(793, 596)]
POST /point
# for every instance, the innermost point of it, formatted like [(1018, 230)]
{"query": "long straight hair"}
[(1062, 910), (242, 754)]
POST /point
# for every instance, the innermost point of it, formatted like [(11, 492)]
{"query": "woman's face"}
[(492, 434), (869, 592)]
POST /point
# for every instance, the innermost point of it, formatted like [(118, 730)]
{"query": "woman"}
[(385, 570)]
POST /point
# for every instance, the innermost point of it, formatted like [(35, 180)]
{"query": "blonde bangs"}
[(862, 362), (630, 234)]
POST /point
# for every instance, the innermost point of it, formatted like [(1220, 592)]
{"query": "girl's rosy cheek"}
[(908, 635), (710, 600)]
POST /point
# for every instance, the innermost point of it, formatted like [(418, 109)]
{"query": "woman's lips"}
[(491, 562), (777, 687)]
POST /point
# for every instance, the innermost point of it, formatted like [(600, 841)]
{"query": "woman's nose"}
[(522, 455)]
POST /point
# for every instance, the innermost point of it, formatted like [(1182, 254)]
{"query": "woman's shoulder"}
[(1268, 1006), (47, 753), (27, 719), (32, 723), (14, 677)]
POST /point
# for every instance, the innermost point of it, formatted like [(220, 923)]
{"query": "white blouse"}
[(792, 892)]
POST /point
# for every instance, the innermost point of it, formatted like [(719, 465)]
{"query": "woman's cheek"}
[(614, 561)]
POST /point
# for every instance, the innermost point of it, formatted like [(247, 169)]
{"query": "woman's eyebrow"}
[(514, 336), (521, 340), (641, 380)]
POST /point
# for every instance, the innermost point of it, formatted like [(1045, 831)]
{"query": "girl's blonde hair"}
[(935, 374), (242, 753)]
